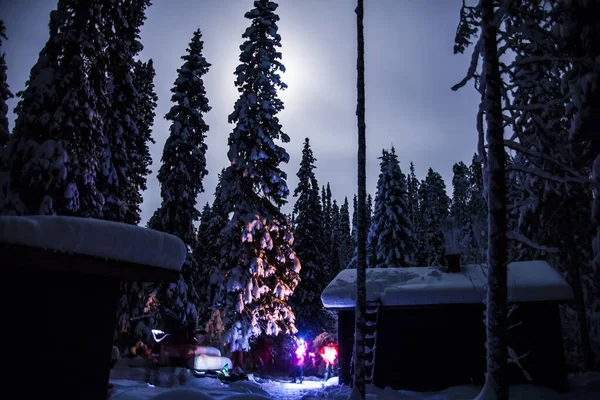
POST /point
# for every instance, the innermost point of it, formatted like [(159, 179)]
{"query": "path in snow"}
[(129, 385)]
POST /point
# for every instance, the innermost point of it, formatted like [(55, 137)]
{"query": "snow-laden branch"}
[(546, 58), (472, 67), (537, 106), (522, 149), (547, 175), (477, 50), (501, 12), (519, 237)]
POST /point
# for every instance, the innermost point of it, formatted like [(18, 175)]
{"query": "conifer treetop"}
[(253, 151), (184, 155), (58, 134)]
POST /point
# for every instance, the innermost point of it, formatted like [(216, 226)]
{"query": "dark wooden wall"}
[(433, 347), (345, 345)]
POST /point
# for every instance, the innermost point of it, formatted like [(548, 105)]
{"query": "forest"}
[(253, 275)]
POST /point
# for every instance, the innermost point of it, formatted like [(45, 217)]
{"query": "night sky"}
[(409, 71)]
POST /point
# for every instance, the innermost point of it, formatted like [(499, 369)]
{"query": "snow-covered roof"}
[(92, 237), (528, 281)]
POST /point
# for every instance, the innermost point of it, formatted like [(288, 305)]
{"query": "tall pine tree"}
[(311, 317), (184, 156), (369, 211), (334, 251), (343, 233), (57, 140), (368, 218), (259, 269), (120, 128), (391, 238), (412, 188), (143, 80), (434, 203), (459, 227), (181, 174), (477, 210), (5, 93), (208, 253)]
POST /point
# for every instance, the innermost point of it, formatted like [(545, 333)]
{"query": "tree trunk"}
[(574, 278), (496, 384), (361, 262)]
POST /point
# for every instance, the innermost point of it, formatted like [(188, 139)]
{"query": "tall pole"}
[(496, 385), (361, 264)]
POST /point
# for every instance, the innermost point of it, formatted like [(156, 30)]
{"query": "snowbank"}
[(92, 237), (527, 281), (212, 389)]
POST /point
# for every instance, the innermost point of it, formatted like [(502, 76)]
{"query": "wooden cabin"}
[(425, 326)]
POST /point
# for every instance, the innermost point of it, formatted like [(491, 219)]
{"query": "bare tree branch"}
[(472, 67), (522, 149), (519, 237), (546, 175)]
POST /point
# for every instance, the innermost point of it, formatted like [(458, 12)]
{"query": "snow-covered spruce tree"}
[(459, 211), (369, 214), (391, 231), (57, 141), (373, 231), (259, 269), (434, 203), (412, 188), (327, 203), (343, 233), (5, 93), (354, 220), (369, 211), (120, 128), (184, 156), (181, 173), (334, 252), (143, 81), (208, 253), (311, 317), (477, 209), (202, 256), (143, 115), (352, 262)]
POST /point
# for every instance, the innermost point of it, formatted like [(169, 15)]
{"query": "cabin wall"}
[(432, 347), (537, 330), (345, 345)]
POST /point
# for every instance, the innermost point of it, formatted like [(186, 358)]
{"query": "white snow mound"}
[(93, 237)]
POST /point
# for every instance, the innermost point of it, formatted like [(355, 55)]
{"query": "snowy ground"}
[(129, 385)]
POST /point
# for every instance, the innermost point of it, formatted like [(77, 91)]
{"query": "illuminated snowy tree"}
[(259, 269)]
